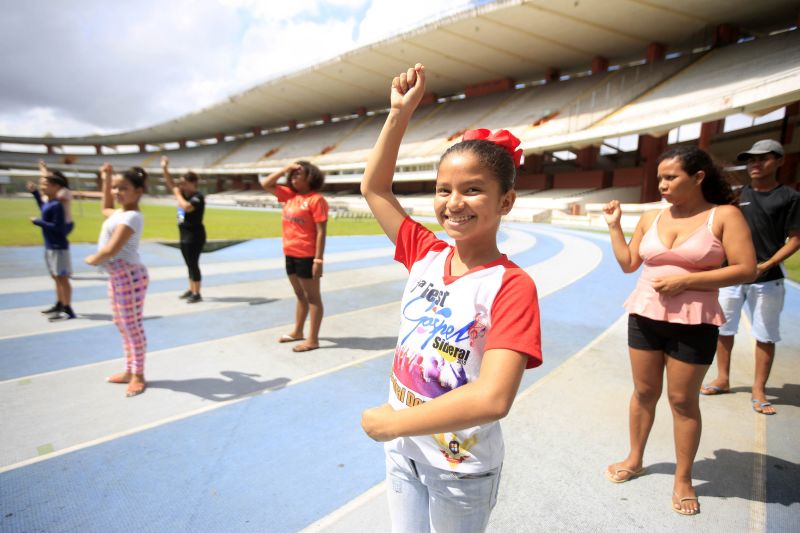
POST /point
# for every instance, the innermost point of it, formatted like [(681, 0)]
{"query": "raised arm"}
[(43, 170), (376, 187), (739, 254), (106, 174), (176, 191), (626, 253), (34, 190), (270, 182)]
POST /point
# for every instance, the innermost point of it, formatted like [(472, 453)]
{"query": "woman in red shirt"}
[(305, 220)]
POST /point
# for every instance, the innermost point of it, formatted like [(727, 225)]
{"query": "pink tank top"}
[(701, 251)]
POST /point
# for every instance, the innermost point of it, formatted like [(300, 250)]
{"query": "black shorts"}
[(691, 343), (299, 266)]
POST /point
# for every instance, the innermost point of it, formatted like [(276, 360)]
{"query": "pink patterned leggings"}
[(126, 288)]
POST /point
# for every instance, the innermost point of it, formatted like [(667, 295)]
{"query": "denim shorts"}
[(764, 305)]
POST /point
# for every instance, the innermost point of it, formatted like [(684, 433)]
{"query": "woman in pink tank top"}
[(694, 246)]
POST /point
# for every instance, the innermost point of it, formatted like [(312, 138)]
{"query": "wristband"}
[(318, 261)]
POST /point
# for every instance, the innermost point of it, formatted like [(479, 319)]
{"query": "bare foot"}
[(291, 337), (122, 377)]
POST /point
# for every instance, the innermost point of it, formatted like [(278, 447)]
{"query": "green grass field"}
[(221, 224)]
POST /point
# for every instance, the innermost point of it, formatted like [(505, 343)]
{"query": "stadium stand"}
[(563, 122)]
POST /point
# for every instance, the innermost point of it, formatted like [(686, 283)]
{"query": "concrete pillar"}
[(707, 132), (534, 164), (142, 147), (552, 74), (256, 130), (725, 34), (182, 143), (361, 111), (98, 149), (292, 124), (649, 149), (326, 118), (789, 126), (599, 64), (655, 52), (50, 149), (428, 99), (586, 157), (220, 137)]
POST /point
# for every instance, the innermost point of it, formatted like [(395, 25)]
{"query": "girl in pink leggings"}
[(118, 254)]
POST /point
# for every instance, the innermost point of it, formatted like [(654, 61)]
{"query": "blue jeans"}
[(427, 499)]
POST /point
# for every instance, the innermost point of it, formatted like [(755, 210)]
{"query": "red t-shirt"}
[(447, 323), (301, 213)]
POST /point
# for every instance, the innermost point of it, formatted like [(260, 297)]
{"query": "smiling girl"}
[(469, 328), (118, 254)]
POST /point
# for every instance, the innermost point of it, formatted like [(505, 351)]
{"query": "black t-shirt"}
[(770, 215), (191, 224)]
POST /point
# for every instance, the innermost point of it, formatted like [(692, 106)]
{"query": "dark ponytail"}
[(716, 189), (136, 176)]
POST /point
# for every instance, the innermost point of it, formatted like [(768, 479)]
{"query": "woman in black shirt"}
[(191, 206)]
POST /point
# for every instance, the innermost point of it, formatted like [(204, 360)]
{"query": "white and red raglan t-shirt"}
[(446, 325)]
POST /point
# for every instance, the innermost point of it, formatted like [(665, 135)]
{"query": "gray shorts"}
[(59, 262)]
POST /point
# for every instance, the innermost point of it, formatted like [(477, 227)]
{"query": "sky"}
[(96, 66)]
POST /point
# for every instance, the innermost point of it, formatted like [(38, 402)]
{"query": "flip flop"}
[(680, 510), (631, 474), (289, 338), (304, 348), (713, 390), (135, 389), (120, 378), (758, 407)]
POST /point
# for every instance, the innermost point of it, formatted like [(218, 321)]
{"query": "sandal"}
[(758, 407), (135, 389), (612, 477), (679, 508), (304, 348)]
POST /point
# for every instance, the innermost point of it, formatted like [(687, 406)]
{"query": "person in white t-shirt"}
[(118, 254), (469, 327)]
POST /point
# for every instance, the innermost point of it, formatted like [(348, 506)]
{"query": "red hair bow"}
[(502, 137)]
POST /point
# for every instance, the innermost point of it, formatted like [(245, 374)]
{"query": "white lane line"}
[(344, 510), (193, 412), (577, 258), (27, 321), (41, 283)]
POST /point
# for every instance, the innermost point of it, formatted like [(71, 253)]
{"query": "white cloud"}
[(93, 66)]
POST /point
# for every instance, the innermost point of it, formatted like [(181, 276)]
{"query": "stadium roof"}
[(512, 39)]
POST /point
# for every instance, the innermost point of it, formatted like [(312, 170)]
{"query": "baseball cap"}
[(764, 146)]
